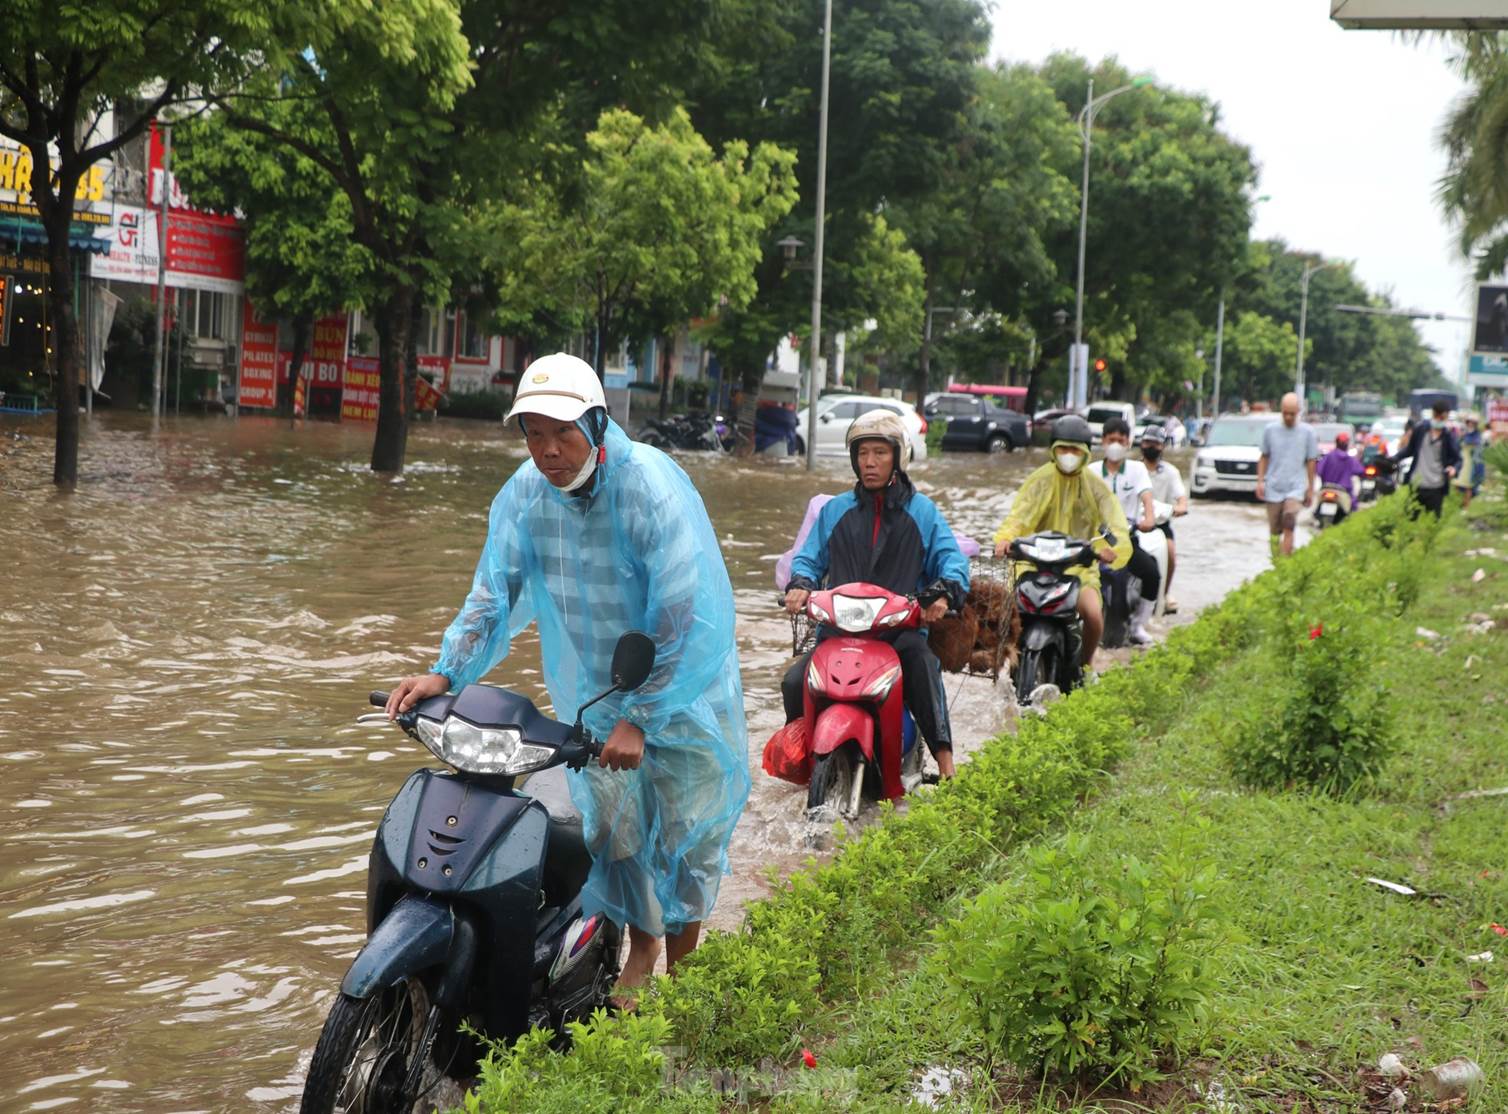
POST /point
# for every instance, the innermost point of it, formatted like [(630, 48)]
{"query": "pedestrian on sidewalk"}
[(1473, 467), (1437, 459), (1285, 474)]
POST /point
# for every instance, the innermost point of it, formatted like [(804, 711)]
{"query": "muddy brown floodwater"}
[(185, 802)]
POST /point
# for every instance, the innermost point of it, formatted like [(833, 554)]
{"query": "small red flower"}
[(1316, 630), (1499, 929), (810, 1060)]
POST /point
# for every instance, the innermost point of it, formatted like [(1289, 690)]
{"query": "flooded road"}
[(185, 803)]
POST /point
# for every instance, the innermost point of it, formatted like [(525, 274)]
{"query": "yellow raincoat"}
[(1077, 505)]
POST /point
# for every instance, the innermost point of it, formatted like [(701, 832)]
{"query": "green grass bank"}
[(1299, 973)]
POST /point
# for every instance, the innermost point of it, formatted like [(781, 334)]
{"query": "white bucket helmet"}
[(559, 386), (879, 424)]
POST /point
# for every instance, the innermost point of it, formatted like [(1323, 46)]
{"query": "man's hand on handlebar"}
[(411, 690), (1105, 554), (624, 749), (795, 600), (935, 610)]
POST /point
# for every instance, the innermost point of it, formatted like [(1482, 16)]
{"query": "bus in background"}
[(1360, 409), (1424, 400)]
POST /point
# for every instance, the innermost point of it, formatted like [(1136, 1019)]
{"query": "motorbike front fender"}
[(1039, 636), (415, 936), (837, 723)]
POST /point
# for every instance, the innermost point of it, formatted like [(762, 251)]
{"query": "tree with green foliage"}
[(1474, 191), (426, 113), (1258, 358), (302, 262), (656, 228), (981, 231), (1169, 218), (902, 76), (69, 72)]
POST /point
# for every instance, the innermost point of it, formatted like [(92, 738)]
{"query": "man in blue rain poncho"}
[(593, 536)]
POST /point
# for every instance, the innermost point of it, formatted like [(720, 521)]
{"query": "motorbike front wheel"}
[(1036, 667), (832, 782), (365, 1052)]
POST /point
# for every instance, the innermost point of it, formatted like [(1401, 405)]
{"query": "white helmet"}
[(881, 424), (559, 386)]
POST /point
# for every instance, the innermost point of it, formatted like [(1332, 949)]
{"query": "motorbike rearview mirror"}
[(633, 660)]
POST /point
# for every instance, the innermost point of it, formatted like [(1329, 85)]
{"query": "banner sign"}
[(202, 255), (363, 383), (258, 385), (438, 369), (426, 397), (1489, 332), (91, 198)]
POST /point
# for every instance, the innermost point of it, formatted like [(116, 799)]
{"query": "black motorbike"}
[(695, 431), (1047, 598), (473, 901), (1379, 477)]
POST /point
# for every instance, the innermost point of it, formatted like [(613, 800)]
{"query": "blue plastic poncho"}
[(637, 554)]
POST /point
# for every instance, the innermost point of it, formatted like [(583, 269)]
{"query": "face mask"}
[(1150, 452), (1068, 462), (1115, 452), (586, 471)]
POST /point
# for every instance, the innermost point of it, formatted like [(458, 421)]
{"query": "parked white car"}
[(1098, 413), (836, 412), (1227, 461)]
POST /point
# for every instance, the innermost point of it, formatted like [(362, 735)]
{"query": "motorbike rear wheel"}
[(365, 1051), (831, 783)]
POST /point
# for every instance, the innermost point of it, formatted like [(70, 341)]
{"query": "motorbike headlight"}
[(856, 614), (481, 750)]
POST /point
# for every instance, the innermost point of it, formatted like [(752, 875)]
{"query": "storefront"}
[(27, 361)]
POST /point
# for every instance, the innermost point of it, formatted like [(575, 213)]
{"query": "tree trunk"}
[(1117, 382), (303, 325), (924, 359), (665, 384), (394, 324), (67, 349)]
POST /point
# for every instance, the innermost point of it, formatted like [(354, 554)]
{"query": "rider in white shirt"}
[(1167, 487), (1130, 482)]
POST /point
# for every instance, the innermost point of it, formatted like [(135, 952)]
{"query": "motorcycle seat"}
[(567, 860)]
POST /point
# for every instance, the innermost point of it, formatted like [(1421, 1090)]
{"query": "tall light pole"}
[(1310, 270), (811, 392), (1078, 361), (1220, 336)]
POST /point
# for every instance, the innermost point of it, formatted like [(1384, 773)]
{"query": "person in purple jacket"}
[(1338, 468)]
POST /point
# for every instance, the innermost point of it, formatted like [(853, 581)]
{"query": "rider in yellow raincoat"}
[(1063, 495)]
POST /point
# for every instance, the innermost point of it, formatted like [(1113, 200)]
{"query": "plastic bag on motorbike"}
[(788, 754)]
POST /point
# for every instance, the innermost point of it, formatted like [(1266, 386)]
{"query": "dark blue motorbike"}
[(473, 902)]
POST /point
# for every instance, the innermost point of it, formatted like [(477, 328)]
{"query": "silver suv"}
[(1227, 461)]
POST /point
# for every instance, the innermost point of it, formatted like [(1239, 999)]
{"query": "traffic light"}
[(1100, 366)]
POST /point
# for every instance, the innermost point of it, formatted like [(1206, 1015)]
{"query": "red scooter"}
[(855, 717)]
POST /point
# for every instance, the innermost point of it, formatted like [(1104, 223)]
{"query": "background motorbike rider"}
[(592, 536), (1063, 495), (1167, 487), (887, 533), (1130, 483), (1338, 468)]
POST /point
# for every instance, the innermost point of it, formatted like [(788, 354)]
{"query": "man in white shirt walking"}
[(1285, 474)]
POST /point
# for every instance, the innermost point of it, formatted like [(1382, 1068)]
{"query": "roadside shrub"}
[(1090, 970), (486, 405), (1327, 724), (937, 428), (1496, 456)]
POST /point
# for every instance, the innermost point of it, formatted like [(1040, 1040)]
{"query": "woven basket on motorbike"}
[(982, 639)]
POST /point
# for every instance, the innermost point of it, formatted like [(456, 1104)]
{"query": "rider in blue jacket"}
[(887, 533)]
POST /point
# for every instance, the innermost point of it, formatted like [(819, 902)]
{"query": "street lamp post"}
[(1310, 270), (811, 392), (1078, 364)]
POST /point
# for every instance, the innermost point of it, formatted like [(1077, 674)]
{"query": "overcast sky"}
[(1342, 125)]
